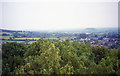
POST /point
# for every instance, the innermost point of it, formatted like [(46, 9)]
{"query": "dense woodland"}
[(62, 57)]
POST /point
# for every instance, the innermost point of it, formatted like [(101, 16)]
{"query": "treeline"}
[(62, 57), (33, 34)]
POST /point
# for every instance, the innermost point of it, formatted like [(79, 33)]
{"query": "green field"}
[(17, 39), (51, 38), (30, 42), (5, 37), (12, 41), (26, 38)]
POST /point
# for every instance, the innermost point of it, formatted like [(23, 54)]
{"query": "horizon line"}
[(54, 29)]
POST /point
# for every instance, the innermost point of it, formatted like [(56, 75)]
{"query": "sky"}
[(58, 14)]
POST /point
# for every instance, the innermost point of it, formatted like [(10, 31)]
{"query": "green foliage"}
[(111, 62), (12, 56), (62, 57), (100, 52), (13, 49)]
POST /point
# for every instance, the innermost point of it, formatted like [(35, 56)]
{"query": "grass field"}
[(26, 38), (30, 42), (5, 33), (17, 39), (12, 41), (51, 38), (5, 37)]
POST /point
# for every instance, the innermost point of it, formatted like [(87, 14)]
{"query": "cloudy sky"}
[(58, 14)]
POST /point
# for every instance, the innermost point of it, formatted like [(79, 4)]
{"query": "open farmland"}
[(108, 39), (30, 42), (26, 38), (5, 37), (12, 41)]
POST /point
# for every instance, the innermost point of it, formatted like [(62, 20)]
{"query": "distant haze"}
[(55, 15)]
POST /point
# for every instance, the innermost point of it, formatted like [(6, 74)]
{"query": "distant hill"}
[(4, 30), (90, 29)]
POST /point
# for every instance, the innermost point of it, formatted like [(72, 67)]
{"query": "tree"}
[(100, 52), (62, 57), (12, 56)]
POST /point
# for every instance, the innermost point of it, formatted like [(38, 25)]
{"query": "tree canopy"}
[(62, 57)]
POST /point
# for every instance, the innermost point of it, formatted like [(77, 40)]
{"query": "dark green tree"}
[(12, 56)]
